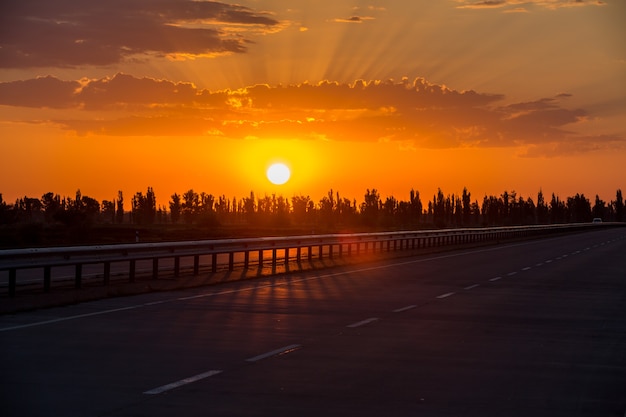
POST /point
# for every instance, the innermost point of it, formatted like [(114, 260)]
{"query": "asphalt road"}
[(535, 328)]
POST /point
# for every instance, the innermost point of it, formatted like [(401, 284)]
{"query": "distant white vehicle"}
[(596, 220)]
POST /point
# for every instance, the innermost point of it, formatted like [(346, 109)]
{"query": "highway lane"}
[(534, 328)]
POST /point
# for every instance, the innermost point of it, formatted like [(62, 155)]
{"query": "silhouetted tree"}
[(249, 208), (458, 212), (175, 208), (491, 210), (415, 207), (542, 210), (222, 207), (475, 213), (302, 207), (389, 211), (618, 206), (345, 210), (439, 209), (327, 208), (579, 208), (599, 209), (108, 211), (51, 206), (281, 208), (370, 207), (558, 211), (467, 210), (4, 211), (528, 211), (119, 211), (191, 202), (504, 209), (205, 211), (144, 207)]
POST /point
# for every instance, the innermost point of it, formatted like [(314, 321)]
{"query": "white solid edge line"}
[(403, 309), (362, 322), (282, 350), (180, 383), (61, 319)]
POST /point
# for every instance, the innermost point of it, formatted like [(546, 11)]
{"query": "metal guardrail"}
[(328, 246)]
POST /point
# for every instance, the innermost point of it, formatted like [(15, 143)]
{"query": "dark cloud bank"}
[(428, 115), (69, 33)]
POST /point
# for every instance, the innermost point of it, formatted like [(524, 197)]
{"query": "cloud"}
[(482, 4), (353, 19), (41, 92), (69, 33), (414, 113), (518, 5)]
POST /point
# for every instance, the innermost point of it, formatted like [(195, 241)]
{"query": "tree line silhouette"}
[(332, 211)]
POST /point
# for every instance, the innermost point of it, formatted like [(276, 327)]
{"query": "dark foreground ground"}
[(527, 328)]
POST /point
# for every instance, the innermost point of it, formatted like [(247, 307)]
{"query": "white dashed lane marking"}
[(281, 351), (362, 322), (180, 383), (495, 279), (471, 287), (403, 309), (446, 295)]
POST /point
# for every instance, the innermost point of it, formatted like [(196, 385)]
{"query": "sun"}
[(278, 173)]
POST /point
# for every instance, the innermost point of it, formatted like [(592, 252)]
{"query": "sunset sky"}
[(498, 95)]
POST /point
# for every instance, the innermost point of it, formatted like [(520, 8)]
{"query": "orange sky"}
[(492, 96)]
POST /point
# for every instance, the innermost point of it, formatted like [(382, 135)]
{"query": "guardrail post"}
[(177, 266), (274, 258), (196, 264), (231, 261), (47, 275), (12, 282), (78, 276), (155, 268), (260, 258), (214, 262), (330, 251), (131, 271), (246, 259), (286, 257), (298, 254), (107, 272)]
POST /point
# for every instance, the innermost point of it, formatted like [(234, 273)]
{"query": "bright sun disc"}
[(278, 174)]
